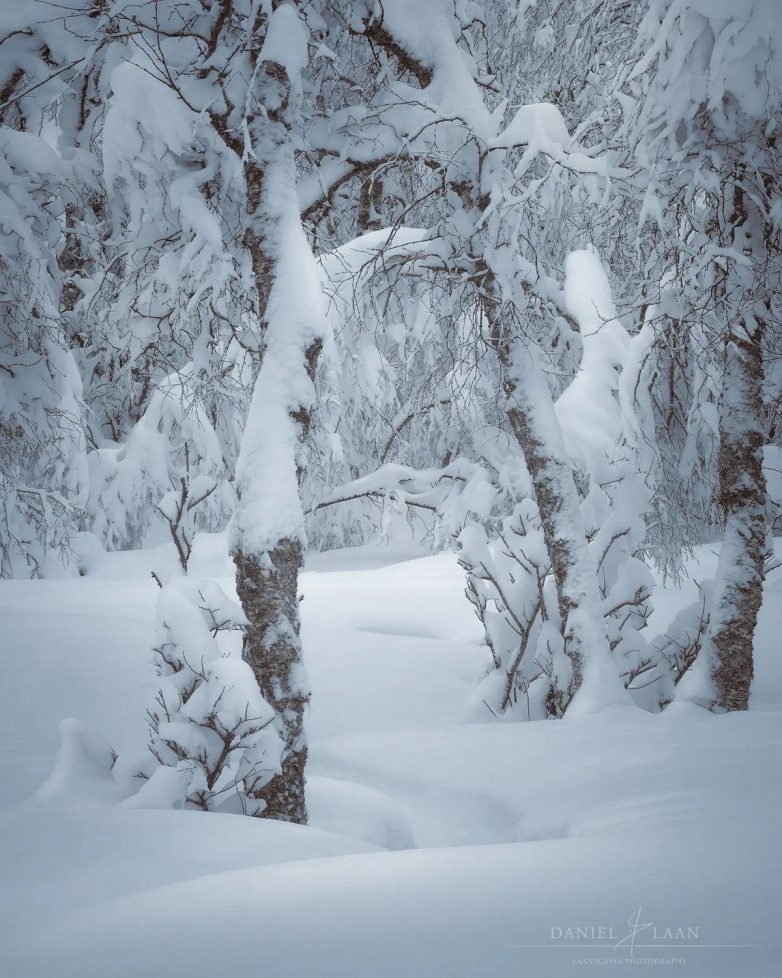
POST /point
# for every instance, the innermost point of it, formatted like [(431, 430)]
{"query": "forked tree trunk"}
[(739, 586)]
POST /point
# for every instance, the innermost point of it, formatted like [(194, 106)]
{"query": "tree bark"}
[(743, 305), (267, 587), (739, 587)]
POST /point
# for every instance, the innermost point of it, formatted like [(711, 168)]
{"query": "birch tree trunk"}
[(738, 591), (267, 539), (722, 674)]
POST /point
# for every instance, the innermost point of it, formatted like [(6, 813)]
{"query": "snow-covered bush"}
[(509, 584), (678, 646), (511, 587), (614, 517), (212, 744)]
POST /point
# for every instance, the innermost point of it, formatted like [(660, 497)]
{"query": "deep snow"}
[(501, 835)]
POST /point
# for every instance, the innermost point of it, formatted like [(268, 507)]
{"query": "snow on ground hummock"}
[(439, 846)]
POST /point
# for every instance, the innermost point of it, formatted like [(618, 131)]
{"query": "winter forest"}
[(390, 471)]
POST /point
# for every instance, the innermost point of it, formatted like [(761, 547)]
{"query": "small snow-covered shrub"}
[(679, 645), (211, 742), (511, 586)]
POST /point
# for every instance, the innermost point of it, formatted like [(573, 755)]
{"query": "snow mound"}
[(81, 777), (359, 812), (448, 912)]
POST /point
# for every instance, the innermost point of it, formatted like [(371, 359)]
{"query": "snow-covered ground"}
[(442, 842)]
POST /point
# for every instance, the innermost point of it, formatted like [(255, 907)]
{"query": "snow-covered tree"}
[(211, 96), (511, 583), (706, 133), (42, 461), (43, 474), (267, 536), (440, 112)]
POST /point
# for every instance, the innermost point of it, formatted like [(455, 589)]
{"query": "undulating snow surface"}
[(442, 842)]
